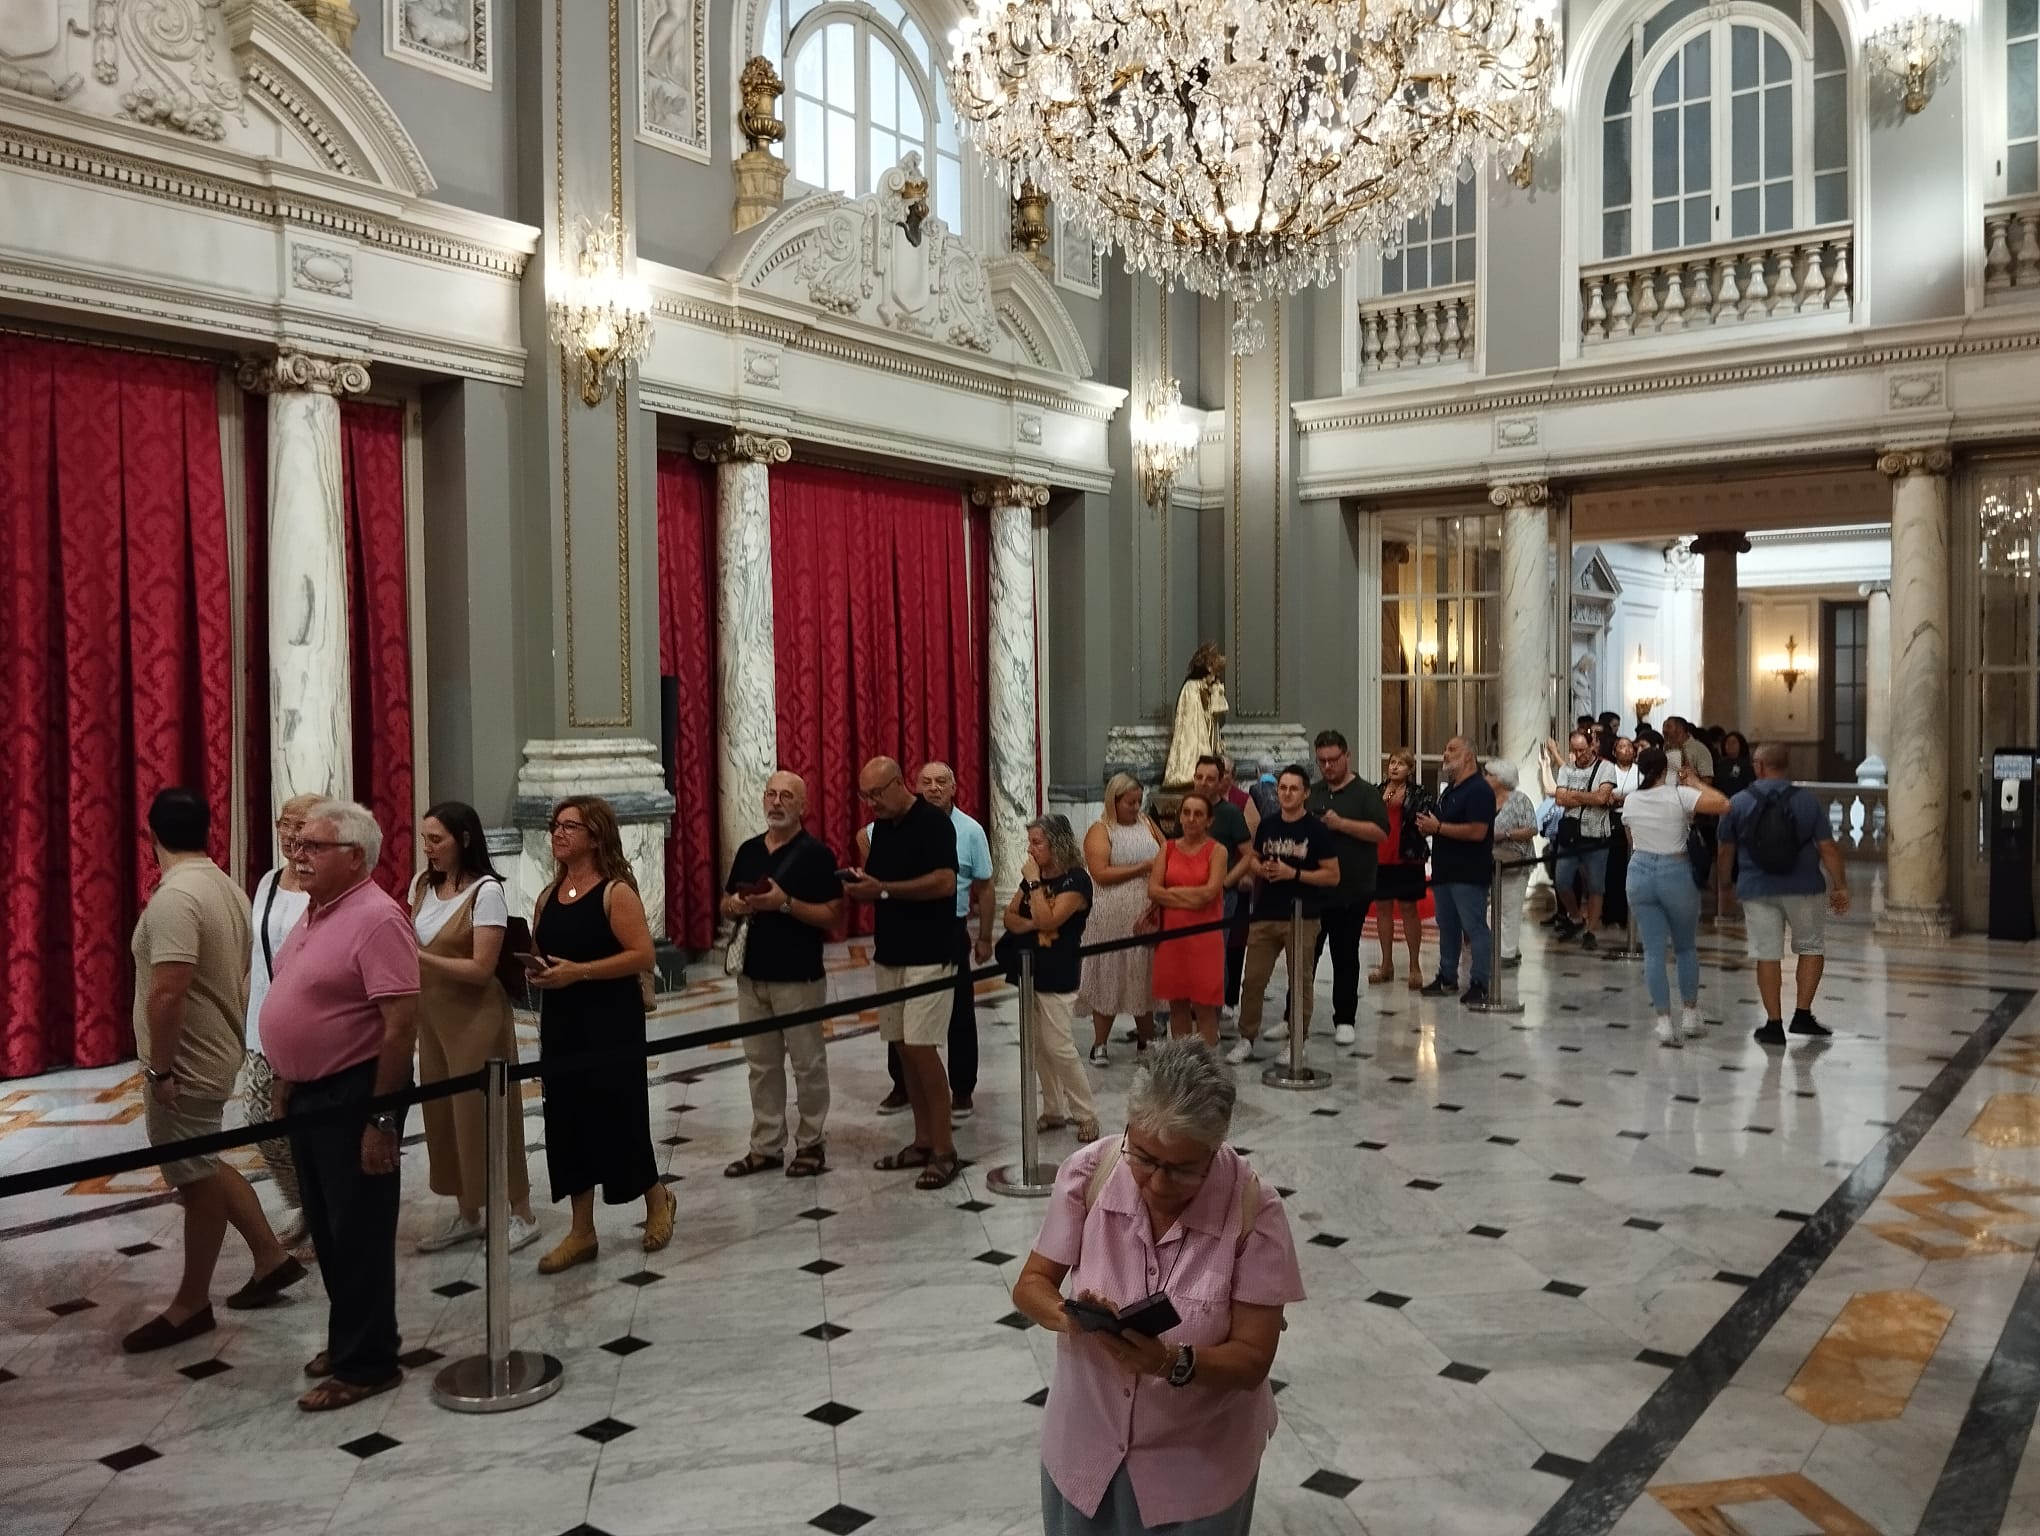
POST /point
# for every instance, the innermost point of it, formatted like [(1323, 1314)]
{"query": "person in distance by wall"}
[(1399, 868), (191, 994), (1462, 863), (279, 902)]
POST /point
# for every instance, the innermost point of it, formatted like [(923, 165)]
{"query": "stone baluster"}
[(2026, 259), (311, 741), (1014, 788), (1700, 300), (1597, 309), (1879, 817), (1370, 341), (1621, 319), (1391, 339), (1838, 277), (1727, 297), (1756, 292), (1785, 291), (1648, 312), (1997, 261), (1675, 299), (747, 690), (1813, 288), (1432, 337)]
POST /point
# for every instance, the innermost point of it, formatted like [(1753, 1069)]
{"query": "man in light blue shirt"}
[(937, 786)]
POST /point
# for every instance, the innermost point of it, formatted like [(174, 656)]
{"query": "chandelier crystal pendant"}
[(1245, 148), (1164, 436)]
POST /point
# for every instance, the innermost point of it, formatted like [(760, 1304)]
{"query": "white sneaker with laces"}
[(1240, 1054), (456, 1231), (522, 1232), (1275, 1033), (1666, 1035), (1342, 1034), (1689, 1021)]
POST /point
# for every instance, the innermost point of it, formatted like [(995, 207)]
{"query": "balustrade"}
[(2011, 245), (1712, 286), (1417, 330), (1856, 814)]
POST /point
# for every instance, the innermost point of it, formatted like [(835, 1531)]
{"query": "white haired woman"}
[(1119, 853), (1515, 856), (1047, 915), (1166, 1209)]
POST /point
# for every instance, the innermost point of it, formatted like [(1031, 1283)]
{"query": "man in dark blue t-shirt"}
[(1462, 833)]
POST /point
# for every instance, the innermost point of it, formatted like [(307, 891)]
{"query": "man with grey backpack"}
[(1789, 875)]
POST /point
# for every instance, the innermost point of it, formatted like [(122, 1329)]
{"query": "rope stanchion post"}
[(1293, 1074), (1629, 949), (1029, 1178), (500, 1378), (1500, 986)]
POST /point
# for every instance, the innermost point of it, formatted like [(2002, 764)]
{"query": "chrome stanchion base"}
[(1298, 1078), (528, 1377), (1021, 1182), (1495, 1005)]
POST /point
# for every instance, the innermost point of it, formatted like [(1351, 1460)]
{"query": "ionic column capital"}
[(1521, 493), (1025, 494), (1874, 589), (741, 447), (1901, 463), (295, 371), (1721, 541)]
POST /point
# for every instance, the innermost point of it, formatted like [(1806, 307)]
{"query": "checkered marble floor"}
[(1515, 1231)]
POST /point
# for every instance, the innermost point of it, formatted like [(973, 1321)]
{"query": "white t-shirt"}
[(273, 919), (1593, 818), (436, 911), (1626, 781), (1657, 818)]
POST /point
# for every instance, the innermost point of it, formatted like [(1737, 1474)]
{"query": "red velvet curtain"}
[(878, 630), (378, 626), (116, 639), (687, 607)]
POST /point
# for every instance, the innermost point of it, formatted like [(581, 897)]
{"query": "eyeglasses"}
[(567, 826), (873, 796), (320, 845), (1153, 1168)]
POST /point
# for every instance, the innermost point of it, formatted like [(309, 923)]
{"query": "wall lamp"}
[(1914, 47), (603, 317)]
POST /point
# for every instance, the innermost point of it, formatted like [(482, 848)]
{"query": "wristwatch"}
[(884, 894), (159, 1077), (1185, 1368), (386, 1122)]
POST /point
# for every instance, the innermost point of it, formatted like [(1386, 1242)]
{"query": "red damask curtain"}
[(116, 639), (378, 625), (687, 566), (878, 629)]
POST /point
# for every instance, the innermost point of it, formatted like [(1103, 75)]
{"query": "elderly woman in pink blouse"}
[(1167, 1431)]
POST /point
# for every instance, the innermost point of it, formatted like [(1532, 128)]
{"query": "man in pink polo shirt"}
[(338, 1027), (1143, 1432)]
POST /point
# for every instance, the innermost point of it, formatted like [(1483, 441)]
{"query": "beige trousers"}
[(1266, 940), (766, 1054), (1065, 1084)]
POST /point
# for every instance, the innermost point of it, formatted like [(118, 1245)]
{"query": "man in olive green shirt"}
[(191, 950), (1354, 812)]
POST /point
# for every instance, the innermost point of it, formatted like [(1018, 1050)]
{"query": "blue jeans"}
[(1462, 916), (1666, 904)]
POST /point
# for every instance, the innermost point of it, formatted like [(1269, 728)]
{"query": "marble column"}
[(311, 734), (1721, 660), (1014, 736), (1876, 684), (1526, 622), (747, 692), (1916, 849)]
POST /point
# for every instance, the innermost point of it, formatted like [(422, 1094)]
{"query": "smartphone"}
[(1090, 1317), (532, 962), (847, 875), (755, 888), (1152, 1317)]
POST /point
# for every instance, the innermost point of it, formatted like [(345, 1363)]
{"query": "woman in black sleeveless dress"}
[(598, 1121)]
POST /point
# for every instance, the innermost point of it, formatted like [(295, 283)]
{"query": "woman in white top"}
[(1515, 833), (279, 902), (460, 915), (1662, 893)]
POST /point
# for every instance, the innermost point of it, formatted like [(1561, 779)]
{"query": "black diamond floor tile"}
[(1472, 1375), (1389, 1299), (824, 1331), (1450, 1109), (1685, 1098), (675, 1141), (1801, 1216), (1020, 1322), (1643, 1224), (371, 1445), (626, 1345), (604, 1430), (1564, 1288), (1658, 1358), (832, 1414), (1285, 1191), (1558, 1466), (418, 1359), (1731, 1277), (1568, 1103), (133, 1456), (1324, 1114), (1705, 1172), (1760, 1130), (1568, 1178), (841, 1520), (1515, 1077), (642, 1278), (815, 1213), (1328, 1240), (975, 1205), (1571, 1050), (1371, 1146), (454, 1288), (7, 1376), (1423, 1184), (78, 1304), (1502, 1141), (1634, 1135), (994, 1256), (1036, 1399), (1333, 1484), (1487, 1231), (821, 1267), (136, 1250), (1402, 1079), (204, 1368), (1622, 1071)]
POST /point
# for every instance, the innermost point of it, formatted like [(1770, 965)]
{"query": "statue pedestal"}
[(1143, 750), (624, 771)]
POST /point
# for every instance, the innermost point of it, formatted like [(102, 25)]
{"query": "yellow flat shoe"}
[(572, 1250), (659, 1227)]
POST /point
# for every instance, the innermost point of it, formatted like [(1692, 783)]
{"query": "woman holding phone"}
[(1164, 1220)]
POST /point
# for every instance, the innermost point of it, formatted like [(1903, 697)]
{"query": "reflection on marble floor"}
[(1512, 1231)]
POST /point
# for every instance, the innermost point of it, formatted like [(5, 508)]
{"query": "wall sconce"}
[(603, 318), (1427, 655), (1787, 671), (1164, 435), (1646, 684), (1915, 49)]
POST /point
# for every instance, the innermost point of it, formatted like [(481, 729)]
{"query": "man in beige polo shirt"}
[(191, 993)]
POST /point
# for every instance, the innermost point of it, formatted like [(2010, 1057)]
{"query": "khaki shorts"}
[(174, 1122), (919, 1020), (1765, 919)]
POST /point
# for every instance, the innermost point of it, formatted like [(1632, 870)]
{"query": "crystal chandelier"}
[(1245, 148), (1163, 437), (603, 319), (1914, 47)]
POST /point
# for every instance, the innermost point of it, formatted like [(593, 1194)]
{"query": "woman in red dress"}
[(1187, 884)]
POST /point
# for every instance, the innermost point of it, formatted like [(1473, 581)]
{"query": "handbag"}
[(510, 973), (1699, 855)]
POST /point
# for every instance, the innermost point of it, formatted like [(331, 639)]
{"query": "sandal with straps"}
[(912, 1155), (1380, 974), (808, 1162), (750, 1163), (940, 1172), (334, 1393)]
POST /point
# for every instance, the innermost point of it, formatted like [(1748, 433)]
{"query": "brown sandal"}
[(807, 1162), (912, 1155), (940, 1172), (320, 1366), (333, 1393), (750, 1163), (1380, 974)]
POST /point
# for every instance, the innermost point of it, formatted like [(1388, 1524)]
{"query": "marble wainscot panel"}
[(1143, 750), (627, 773)]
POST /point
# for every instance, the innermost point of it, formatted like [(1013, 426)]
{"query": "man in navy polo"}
[(1462, 833)]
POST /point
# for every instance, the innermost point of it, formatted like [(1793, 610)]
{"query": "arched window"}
[(2022, 98), (863, 88), (1437, 249), (1724, 126)]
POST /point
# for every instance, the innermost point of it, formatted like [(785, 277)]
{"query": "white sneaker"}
[(1240, 1054), (1342, 1034), (1690, 1022), (1666, 1035), (1275, 1033), (522, 1232), (455, 1232)]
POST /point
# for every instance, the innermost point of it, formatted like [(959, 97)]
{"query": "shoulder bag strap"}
[(1095, 1185), (269, 906), (1250, 1210)]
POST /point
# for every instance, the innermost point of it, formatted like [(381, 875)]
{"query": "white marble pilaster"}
[(1916, 849), (311, 742), (1014, 793), (1526, 622), (625, 771), (1876, 684), (1721, 660), (747, 692)]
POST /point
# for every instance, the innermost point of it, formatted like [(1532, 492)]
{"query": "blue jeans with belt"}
[(1666, 905), (1462, 915)]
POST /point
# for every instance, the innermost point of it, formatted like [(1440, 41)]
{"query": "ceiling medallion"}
[(1246, 148)]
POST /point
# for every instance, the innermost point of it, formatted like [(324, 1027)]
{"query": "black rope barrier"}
[(112, 1163)]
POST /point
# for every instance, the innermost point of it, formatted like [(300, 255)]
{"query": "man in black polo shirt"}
[(1462, 833), (1353, 812), (911, 875), (783, 887)]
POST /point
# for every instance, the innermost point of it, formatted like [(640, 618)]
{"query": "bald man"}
[(783, 887)]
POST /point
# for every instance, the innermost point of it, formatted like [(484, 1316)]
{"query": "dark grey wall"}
[(1321, 571), (1519, 301), (467, 135)]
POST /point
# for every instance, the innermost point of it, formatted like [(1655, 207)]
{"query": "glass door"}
[(1440, 609)]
